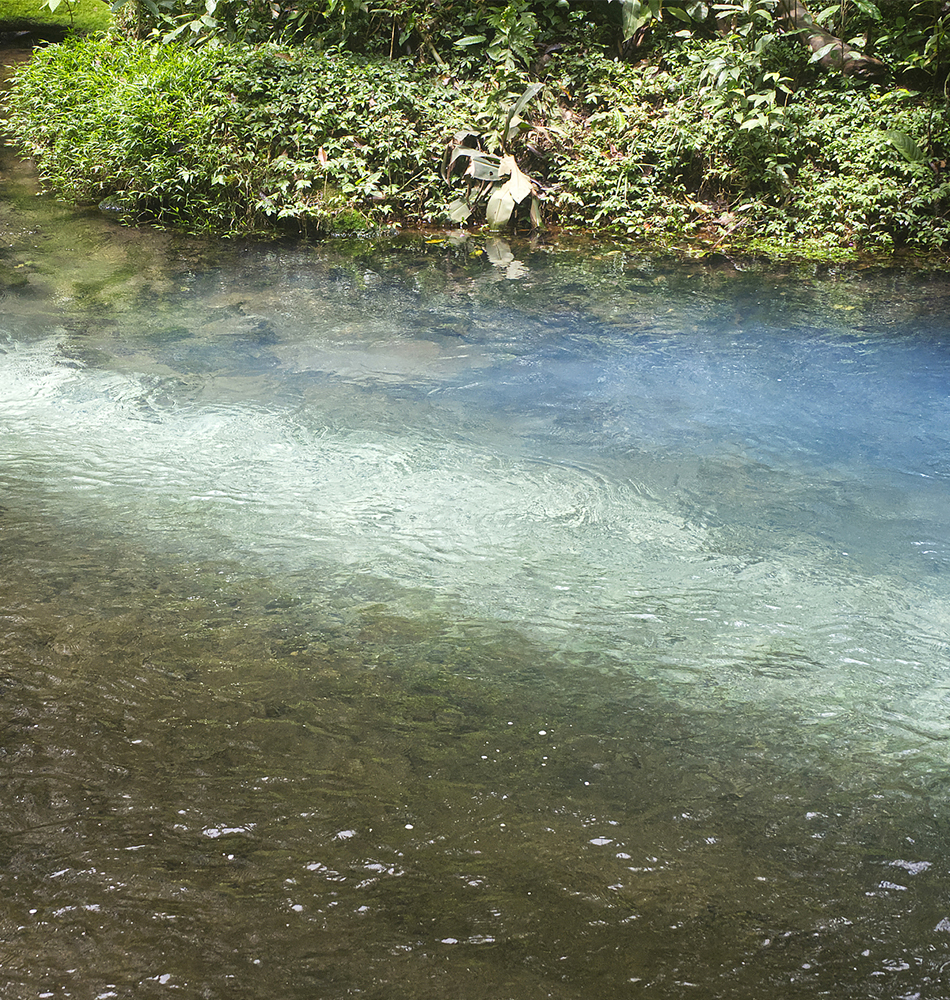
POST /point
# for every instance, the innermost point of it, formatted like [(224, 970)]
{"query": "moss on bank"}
[(239, 139)]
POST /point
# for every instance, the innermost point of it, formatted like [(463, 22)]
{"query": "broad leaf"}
[(519, 106), (906, 145), (499, 208), (519, 185), (636, 14), (680, 14), (820, 54), (482, 166), (482, 170), (459, 211)]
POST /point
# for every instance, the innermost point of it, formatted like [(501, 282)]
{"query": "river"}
[(443, 617)]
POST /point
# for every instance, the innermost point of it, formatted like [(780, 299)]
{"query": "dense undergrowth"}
[(697, 143)]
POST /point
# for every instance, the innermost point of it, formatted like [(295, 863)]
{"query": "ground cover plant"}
[(709, 124), (54, 16)]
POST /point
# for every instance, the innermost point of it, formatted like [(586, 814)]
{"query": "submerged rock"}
[(11, 277)]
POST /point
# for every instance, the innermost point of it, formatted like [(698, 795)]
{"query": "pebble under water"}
[(455, 620)]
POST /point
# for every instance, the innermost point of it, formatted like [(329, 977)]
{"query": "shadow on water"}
[(389, 620)]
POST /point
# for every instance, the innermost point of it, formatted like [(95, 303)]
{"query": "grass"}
[(88, 16)]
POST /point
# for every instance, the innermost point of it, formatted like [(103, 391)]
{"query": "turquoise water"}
[(405, 620)]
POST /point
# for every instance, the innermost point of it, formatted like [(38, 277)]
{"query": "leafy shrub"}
[(134, 120), (228, 139), (713, 142), (726, 139)]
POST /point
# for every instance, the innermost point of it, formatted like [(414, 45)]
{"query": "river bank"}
[(268, 140)]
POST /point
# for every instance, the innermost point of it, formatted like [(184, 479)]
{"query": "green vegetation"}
[(66, 15), (718, 128)]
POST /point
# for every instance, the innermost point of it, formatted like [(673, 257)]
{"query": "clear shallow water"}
[(372, 623)]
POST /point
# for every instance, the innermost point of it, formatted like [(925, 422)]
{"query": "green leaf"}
[(825, 49), (519, 105), (906, 145), (498, 252), (470, 40), (482, 166), (869, 9), (636, 14), (481, 170), (172, 35)]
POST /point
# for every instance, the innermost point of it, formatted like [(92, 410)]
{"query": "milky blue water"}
[(384, 621)]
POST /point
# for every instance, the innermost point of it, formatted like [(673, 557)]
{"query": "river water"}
[(454, 619)]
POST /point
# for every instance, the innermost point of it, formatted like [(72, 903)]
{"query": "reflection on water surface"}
[(386, 621)]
